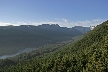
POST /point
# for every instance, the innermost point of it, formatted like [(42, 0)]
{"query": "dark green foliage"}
[(90, 54), (49, 48)]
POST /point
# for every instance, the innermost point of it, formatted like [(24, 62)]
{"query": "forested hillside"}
[(46, 49), (90, 54)]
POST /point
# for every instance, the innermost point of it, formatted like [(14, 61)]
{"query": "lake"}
[(21, 51)]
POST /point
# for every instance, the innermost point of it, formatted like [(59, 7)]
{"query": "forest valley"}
[(83, 53)]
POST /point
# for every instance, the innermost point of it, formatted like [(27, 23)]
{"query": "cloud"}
[(4, 24), (87, 22), (62, 22)]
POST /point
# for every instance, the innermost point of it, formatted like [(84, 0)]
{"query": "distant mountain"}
[(14, 38), (82, 29)]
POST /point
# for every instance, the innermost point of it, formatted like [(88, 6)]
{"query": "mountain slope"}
[(15, 38), (90, 54)]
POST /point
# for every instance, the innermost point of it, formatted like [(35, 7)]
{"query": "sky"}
[(66, 13)]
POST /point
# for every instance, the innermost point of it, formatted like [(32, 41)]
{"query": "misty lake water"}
[(21, 51)]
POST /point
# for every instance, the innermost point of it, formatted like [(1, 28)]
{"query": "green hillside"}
[(90, 54)]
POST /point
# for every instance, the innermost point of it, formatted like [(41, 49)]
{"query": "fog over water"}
[(21, 51)]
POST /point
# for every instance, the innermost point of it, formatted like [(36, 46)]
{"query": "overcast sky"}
[(67, 13)]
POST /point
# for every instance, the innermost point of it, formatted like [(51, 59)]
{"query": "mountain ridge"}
[(14, 38)]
